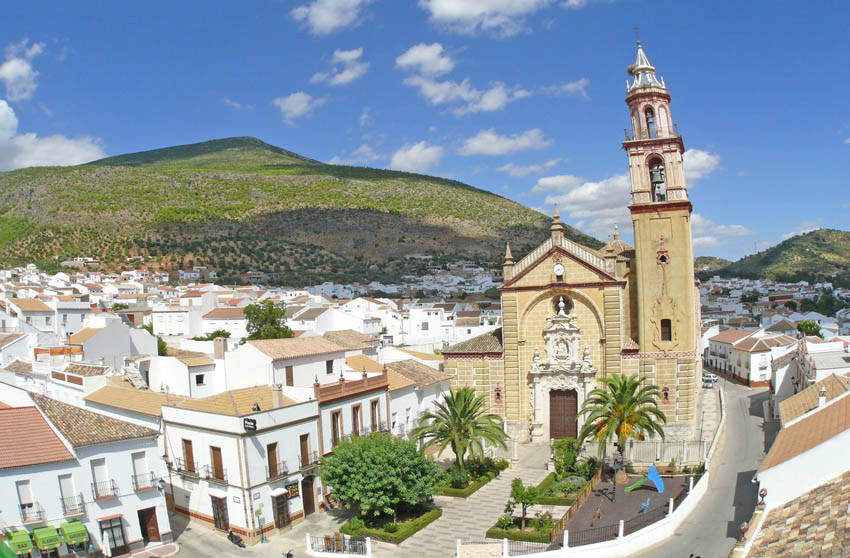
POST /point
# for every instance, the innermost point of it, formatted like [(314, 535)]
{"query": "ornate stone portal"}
[(562, 369)]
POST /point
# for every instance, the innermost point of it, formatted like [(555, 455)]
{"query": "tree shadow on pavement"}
[(746, 492)]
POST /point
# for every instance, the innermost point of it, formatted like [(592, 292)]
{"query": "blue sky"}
[(520, 97)]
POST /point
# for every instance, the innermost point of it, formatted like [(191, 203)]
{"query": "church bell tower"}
[(667, 297)]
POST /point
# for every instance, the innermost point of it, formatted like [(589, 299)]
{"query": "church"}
[(573, 315)]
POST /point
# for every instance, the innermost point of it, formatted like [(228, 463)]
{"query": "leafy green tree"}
[(460, 422), (624, 407), (380, 474), (791, 305), (117, 307), (161, 347), (267, 320), (493, 293), (522, 496), (809, 327)]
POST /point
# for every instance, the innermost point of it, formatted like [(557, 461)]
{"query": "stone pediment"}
[(582, 264)]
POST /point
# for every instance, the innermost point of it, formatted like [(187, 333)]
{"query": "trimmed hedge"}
[(405, 529), (552, 500), (447, 490), (516, 535)]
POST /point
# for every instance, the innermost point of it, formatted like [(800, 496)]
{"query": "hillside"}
[(709, 263), (823, 254), (239, 204)]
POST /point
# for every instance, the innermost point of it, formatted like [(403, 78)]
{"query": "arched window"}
[(650, 123), (556, 304), (657, 181)]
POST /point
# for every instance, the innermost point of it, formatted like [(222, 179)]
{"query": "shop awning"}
[(20, 542), (74, 532), (46, 537)]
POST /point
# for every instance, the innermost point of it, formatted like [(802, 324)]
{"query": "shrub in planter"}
[(355, 526), (505, 521), (458, 478)]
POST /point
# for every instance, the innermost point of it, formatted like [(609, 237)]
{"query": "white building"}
[(71, 476), (232, 320)]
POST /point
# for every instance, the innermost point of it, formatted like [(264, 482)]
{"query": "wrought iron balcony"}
[(186, 468), (73, 505), (145, 481), (308, 460), (213, 474), (32, 513), (277, 470), (104, 489)]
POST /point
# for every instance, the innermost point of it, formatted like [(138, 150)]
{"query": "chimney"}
[(822, 397), (277, 396), (219, 347)]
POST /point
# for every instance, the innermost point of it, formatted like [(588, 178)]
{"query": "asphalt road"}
[(711, 529)]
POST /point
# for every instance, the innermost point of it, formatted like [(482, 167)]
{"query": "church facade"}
[(573, 315)]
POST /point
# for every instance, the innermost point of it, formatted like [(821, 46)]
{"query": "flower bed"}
[(392, 532), (483, 471), (516, 535)]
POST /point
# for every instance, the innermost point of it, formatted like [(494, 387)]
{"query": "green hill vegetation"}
[(820, 255), (709, 263), (239, 204)]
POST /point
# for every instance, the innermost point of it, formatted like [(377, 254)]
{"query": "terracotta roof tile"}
[(731, 336), (349, 339), (20, 367), (28, 439), (814, 524), (359, 363), (295, 347), (7, 338), (120, 394), (419, 373), (81, 369), (809, 432), (803, 402), (195, 360), (225, 313), (487, 343), (85, 428), (84, 335), (30, 305), (310, 314), (236, 402), (422, 356)]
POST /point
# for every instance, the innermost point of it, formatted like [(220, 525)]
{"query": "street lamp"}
[(617, 464)]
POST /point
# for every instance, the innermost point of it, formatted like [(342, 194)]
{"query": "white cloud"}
[(577, 88), (27, 150), (488, 142), (17, 73), (426, 59), (346, 67), (707, 234), (363, 154), (518, 170), (595, 207), (365, 116), (418, 157), (699, 164), (472, 99), (235, 105), (847, 141), (296, 105), (499, 17), (326, 16)]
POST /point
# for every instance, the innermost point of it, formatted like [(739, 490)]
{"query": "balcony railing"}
[(186, 468), (212, 474), (104, 489), (73, 505), (145, 481), (277, 470), (33, 513), (310, 459)]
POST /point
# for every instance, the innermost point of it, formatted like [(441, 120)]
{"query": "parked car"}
[(710, 376), (707, 384)]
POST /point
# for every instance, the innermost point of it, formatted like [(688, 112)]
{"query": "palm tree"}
[(460, 422), (624, 407)]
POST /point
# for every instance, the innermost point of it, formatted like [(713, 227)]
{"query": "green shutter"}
[(74, 532), (46, 537), (20, 542)]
